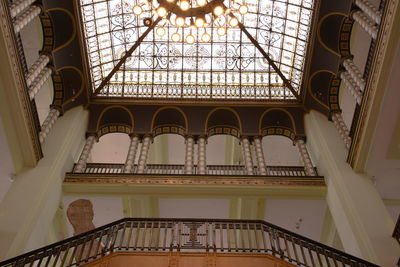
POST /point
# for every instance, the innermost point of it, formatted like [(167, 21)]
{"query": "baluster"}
[(189, 155), (22, 20), (370, 10), (81, 165), (366, 23), (144, 235), (202, 162), (247, 155), (308, 167)]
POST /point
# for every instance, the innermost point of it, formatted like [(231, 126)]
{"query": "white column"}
[(48, 123), (28, 209), (305, 157), (355, 73), (130, 158), (260, 156), (189, 153), (366, 23), (342, 128), (201, 159), (143, 153), (37, 68), (81, 165), (360, 216), (38, 82), (351, 85), (248, 161), (22, 20), (370, 10), (18, 6)]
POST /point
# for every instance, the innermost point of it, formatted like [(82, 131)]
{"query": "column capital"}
[(299, 138), (57, 107), (343, 58), (133, 135), (89, 134)]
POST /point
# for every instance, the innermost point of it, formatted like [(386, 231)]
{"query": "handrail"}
[(172, 169), (183, 235)]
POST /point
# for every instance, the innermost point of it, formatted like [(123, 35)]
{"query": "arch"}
[(285, 126), (227, 121), (73, 24), (169, 120), (310, 91), (323, 39), (48, 32), (114, 119), (64, 95)]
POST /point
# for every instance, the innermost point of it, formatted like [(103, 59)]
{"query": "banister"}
[(249, 236)]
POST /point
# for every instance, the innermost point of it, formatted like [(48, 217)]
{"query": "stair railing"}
[(187, 235)]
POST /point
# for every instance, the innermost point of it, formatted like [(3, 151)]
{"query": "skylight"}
[(227, 67)]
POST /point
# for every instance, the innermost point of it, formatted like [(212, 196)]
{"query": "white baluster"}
[(342, 128), (39, 82), (81, 165), (130, 158), (18, 6), (189, 155), (22, 20), (143, 154), (36, 68), (48, 124), (248, 161), (366, 23), (351, 85), (260, 156), (202, 162), (370, 10), (355, 73), (305, 157)]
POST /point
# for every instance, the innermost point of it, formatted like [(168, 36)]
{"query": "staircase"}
[(174, 237)]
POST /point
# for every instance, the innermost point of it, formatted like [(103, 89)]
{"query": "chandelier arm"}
[(270, 61), (128, 54)]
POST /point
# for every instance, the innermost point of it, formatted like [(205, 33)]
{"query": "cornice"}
[(20, 108), (375, 88)]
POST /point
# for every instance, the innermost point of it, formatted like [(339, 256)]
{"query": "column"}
[(28, 209), (305, 157), (37, 68), (201, 159), (48, 124), (366, 23), (22, 20), (144, 153), (189, 155), (342, 128), (18, 6), (130, 158), (81, 165), (260, 156), (355, 73), (370, 10), (38, 82), (351, 85), (248, 161), (360, 216)]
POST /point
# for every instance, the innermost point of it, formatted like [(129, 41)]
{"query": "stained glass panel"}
[(227, 67)]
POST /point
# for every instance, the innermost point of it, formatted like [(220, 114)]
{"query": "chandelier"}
[(192, 17)]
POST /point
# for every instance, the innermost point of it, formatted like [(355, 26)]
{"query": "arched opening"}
[(111, 148), (280, 151)]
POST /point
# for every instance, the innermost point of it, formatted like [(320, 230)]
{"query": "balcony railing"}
[(187, 235), (175, 169)]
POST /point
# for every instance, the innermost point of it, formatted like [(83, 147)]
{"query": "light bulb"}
[(176, 37), (170, 1), (161, 11), (137, 10), (201, 2), (190, 39), (221, 30), (199, 22), (180, 21), (233, 22), (185, 5), (218, 11), (243, 9), (206, 37), (160, 31)]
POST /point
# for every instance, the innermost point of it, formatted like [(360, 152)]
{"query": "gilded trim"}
[(281, 109), (73, 35), (319, 32), (223, 108), (114, 107), (172, 107)]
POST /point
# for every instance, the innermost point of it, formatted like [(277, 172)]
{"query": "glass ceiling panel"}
[(228, 67)]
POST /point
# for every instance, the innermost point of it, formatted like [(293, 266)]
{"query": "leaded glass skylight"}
[(227, 67)]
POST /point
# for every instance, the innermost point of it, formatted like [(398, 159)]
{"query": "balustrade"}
[(187, 235)]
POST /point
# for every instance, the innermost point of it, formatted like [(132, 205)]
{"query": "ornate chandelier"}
[(192, 18)]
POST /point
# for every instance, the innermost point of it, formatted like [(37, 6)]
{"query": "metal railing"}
[(187, 235), (177, 169)]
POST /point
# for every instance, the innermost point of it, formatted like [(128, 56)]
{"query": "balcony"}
[(177, 237)]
